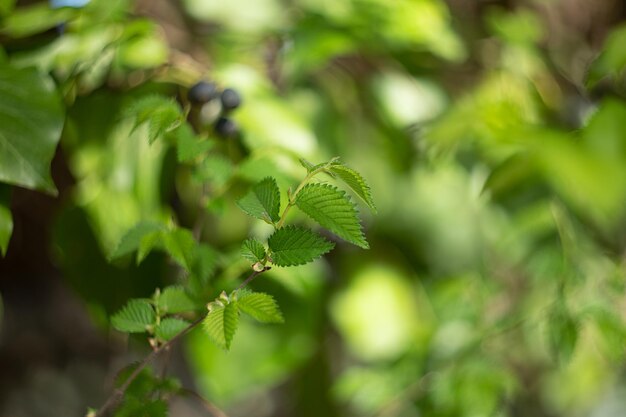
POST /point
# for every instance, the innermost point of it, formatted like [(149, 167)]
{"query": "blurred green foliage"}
[(494, 285)]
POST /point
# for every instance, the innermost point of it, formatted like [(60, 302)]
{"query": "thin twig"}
[(118, 393), (208, 405), (253, 276)]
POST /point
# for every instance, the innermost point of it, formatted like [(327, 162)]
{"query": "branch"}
[(118, 393)]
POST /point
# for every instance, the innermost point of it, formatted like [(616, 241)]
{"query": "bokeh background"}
[(493, 134)]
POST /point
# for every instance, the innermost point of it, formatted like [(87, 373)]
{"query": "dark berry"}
[(226, 127), (202, 92), (230, 99)]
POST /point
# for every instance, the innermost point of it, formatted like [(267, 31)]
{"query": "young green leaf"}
[(174, 300), (170, 327), (188, 144), (161, 113), (293, 245), (355, 181), (260, 306), (221, 323), (135, 317), (332, 209), (253, 250), (131, 241), (262, 201)]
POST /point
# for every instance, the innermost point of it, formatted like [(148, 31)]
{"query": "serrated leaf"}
[(253, 250), (170, 327), (162, 115), (563, 334), (188, 144), (262, 201), (260, 306), (332, 209), (181, 246), (221, 323), (356, 182), (6, 219), (174, 299), (131, 241), (134, 317), (293, 245)]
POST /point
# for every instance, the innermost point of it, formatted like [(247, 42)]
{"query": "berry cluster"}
[(215, 106)]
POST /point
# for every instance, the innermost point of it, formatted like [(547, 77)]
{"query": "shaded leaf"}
[(563, 334), (160, 113), (332, 209), (31, 120), (188, 144), (181, 246), (131, 241), (293, 245)]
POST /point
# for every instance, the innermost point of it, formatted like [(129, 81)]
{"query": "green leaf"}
[(170, 327), (27, 21), (214, 169), (6, 219), (131, 241), (356, 182), (221, 323), (563, 333), (253, 250), (181, 246), (332, 209), (293, 245), (140, 407), (135, 317), (188, 144), (260, 306), (31, 120), (174, 300), (262, 201), (162, 114)]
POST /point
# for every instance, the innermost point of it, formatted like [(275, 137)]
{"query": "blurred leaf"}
[(31, 120), (6, 218), (174, 300), (221, 323), (146, 51), (135, 317), (162, 115), (215, 169), (170, 327), (563, 333), (262, 307), (131, 241), (188, 144), (262, 201), (522, 27), (293, 245), (253, 250), (181, 246), (132, 407), (612, 60), (27, 21), (333, 210), (6, 6)]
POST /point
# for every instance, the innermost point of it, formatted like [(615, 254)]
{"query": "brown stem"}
[(118, 393), (253, 276)]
